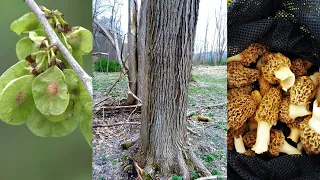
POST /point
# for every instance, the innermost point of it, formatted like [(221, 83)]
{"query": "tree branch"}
[(54, 41)]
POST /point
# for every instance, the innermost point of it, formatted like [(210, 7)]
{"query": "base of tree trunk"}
[(185, 162)]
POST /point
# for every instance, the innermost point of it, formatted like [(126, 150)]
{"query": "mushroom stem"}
[(298, 111), (238, 144), (294, 134), (288, 149), (286, 77), (234, 58), (314, 122), (300, 146), (263, 137), (314, 78)]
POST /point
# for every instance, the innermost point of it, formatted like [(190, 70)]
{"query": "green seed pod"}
[(16, 101), (26, 23), (41, 126), (24, 48), (80, 40), (15, 71), (86, 122), (72, 80), (50, 92)]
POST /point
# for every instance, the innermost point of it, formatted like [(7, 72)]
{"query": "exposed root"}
[(192, 131), (183, 166), (199, 167)]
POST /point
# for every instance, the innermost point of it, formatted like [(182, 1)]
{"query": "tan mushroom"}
[(289, 112), (295, 129), (302, 91), (235, 92), (250, 54), (310, 139), (279, 144), (307, 64), (239, 76), (266, 116), (237, 137), (249, 139), (264, 86), (230, 140), (277, 70), (298, 68), (239, 109)]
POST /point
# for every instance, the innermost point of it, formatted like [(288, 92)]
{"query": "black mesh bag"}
[(293, 28)]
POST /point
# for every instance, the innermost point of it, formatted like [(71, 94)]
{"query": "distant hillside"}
[(209, 55)]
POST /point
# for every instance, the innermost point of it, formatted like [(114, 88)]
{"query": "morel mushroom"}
[(298, 68), (277, 70), (264, 86), (249, 139), (239, 76), (249, 55), (279, 144), (302, 91), (295, 129), (239, 110), (235, 92), (237, 137), (266, 116), (289, 112), (310, 139)]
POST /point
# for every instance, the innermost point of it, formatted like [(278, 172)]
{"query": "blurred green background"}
[(23, 155)]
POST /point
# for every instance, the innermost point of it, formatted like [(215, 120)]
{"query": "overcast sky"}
[(207, 9)]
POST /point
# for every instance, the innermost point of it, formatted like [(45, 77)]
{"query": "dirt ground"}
[(207, 97)]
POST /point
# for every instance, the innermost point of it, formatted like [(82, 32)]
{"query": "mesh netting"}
[(290, 27), (293, 28)]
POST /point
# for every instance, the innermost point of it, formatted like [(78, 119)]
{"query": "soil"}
[(207, 98)]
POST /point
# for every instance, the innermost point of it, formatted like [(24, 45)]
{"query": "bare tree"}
[(220, 42), (205, 45), (168, 43)]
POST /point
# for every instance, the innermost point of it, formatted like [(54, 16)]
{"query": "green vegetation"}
[(102, 64)]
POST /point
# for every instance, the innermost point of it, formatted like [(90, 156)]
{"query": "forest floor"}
[(207, 89)]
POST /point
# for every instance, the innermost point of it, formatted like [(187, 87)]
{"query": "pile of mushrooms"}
[(267, 87)]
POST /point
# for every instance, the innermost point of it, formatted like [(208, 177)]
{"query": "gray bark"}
[(167, 54)]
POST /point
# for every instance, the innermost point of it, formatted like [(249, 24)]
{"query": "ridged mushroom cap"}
[(274, 61), (284, 111), (268, 109), (252, 52), (297, 67), (235, 92), (249, 139), (264, 86), (239, 110), (296, 123), (309, 138), (302, 91), (276, 142), (238, 132), (256, 97), (239, 76)]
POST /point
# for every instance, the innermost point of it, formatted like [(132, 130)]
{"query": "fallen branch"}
[(114, 84), (116, 124), (212, 177), (192, 131), (116, 107), (54, 41)]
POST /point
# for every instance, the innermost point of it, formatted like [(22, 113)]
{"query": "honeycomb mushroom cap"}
[(268, 109), (277, 70), (302, 91), (298, 68), (276, 142), (284, 111), (273, 62), (239, 110), (235, 92), (250, 54), (239, 76), (249, 139), (309, 138), (264, 86), (256, 97), (238, 132), (307, 64)]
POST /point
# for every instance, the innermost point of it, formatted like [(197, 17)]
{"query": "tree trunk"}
[(170, 33), (132, 44)]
